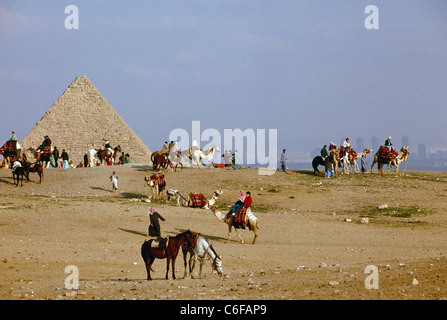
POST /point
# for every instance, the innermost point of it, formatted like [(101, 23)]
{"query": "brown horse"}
[(105, 154), (32, 167), (173, 245)]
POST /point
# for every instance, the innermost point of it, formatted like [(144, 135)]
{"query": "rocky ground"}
[(317, 236)]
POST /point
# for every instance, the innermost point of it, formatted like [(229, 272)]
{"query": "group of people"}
[(324, 153)]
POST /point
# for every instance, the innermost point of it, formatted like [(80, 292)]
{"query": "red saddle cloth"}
[(386, 154), (239, 218), (197, 199), (46, 151)]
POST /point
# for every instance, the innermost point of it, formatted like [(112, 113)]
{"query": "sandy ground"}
[(312, 244)]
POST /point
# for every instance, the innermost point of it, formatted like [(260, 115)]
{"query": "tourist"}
[(364, 163), (55, 156), (248, 201), (65, 158), (114, 178), (323, 152), (122, 158), (283, 160), (239, 203), (13, 137)]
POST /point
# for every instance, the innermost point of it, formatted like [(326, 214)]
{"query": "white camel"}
[(352, 159), (250, 222), (198, 156)]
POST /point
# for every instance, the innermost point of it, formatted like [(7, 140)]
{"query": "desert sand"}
[(316, 236)]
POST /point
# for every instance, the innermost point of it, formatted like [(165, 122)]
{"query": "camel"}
[(353, 156), (332, 160), (250, 222), (198, 156), (157, 183), (401, 157)]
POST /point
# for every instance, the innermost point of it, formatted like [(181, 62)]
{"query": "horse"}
[(197, 249), (198, 156), (32, 167), (317, 161), (177, 157), (161, 160), (18, 171), (149, 253), (104, 154)]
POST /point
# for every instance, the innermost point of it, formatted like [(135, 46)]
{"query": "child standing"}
[(114, 178)]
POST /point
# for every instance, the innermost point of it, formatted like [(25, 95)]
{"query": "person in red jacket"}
[(248, 200)]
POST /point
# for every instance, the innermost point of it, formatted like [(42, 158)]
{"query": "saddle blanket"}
[(239, 218), (156, 243), (386, 154), (197, 200)]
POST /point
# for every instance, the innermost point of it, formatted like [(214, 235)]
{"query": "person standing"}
[(323, 152), (154, 227), (55, 156), (114, 178), (283, 160), (65, 158)]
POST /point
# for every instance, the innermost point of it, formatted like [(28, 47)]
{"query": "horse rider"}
[(108, 147)]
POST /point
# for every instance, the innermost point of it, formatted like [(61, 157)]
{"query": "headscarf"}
[(242, 197), (152, 210)]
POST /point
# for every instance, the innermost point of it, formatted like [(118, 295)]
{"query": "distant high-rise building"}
[(422, 152), (359, 144), (375, 143), (405, 141)]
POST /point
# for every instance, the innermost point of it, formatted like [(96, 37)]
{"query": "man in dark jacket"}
[(154, 227)]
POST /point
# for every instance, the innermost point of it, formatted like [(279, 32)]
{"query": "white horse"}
[(91, 157), (202, 248), (178, 157), (198, 156)]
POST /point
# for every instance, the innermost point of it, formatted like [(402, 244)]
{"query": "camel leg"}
[(255, 230), (239, 236), (229, 232)]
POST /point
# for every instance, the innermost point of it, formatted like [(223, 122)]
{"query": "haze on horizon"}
[(309, 69)]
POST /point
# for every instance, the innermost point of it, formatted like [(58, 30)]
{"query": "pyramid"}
[(80, 120)]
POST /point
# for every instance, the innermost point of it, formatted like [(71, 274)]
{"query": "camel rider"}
[(13, 137), (108, 147), (46, 142), (388, 144), (239, 203)]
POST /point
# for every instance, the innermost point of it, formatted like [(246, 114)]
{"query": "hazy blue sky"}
[(309, 69)]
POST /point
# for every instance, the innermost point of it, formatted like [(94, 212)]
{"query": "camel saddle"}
[(385, 154), (239, 218), (196, 200)]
